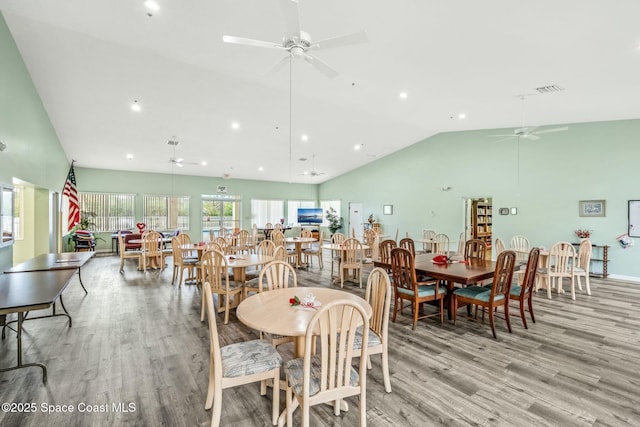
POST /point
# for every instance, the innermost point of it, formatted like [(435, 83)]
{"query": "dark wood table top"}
[(53, 261), (32, 290), (459, 272)]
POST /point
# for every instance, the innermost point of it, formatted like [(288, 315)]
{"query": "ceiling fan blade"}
[(531, 137), (322, 66), (279, 65), (347, 39), (507, 138), (560, 129), (251, 42), (291, 16), (510, 135)]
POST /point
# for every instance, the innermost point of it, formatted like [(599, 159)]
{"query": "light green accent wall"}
[(590, 161), (111, 181), (33, 153)]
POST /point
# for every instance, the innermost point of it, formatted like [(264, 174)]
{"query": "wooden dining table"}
[(298, 242), (459, 271), (338, 247), (239, 263)]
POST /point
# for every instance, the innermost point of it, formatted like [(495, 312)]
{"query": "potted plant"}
[(335, 221)]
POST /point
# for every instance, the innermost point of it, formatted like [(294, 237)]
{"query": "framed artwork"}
[(514, 211), (592, 208), (387, 209)]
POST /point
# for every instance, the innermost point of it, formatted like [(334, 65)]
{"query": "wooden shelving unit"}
[(602, 261), (482, 220)]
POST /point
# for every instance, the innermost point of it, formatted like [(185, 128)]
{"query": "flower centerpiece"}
[(583, 234)]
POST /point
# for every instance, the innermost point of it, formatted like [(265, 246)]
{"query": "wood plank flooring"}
[(138, 340)]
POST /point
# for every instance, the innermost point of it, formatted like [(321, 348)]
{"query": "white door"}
[(355, 221)]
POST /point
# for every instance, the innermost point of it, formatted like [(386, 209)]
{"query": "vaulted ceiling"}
[(91, 60)]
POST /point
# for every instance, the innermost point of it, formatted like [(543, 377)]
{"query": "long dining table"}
[(458, 271)]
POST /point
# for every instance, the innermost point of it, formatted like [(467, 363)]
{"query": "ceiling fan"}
[(179, 162), (298, 43), (313, 172), (527, 132)]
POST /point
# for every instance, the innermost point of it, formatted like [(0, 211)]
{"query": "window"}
[(6, 215), (218, 212), (264, 211), (166, 212), (18, 212), (325, 205), (292, 209), (109, 211)]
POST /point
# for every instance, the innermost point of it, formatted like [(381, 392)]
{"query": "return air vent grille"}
[(549, 89)]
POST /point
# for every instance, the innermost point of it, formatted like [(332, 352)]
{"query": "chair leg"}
[(385, 371), (524, 321), (573, 288), (491, 321), (208, 403), (275, 411), (414, 311), (530, 301), (363, 408), (548, 287), (289, 403), (441, 311), (586, 283), (506, 316), (395, 308), (217, 409), (455, 307)]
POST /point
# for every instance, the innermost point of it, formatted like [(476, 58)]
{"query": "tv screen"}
[(310, 215)]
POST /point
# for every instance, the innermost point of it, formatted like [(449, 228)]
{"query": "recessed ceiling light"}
[(135, 106), (129, 156), (304, 137), (235, 125), (403, 95), (152, 5), (260, 168), (358, 147), (462, 116), (203, 163)]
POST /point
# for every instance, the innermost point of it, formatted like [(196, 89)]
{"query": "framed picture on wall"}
[(387, 209), (592, 208)]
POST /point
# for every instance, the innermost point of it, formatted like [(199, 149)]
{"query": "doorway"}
[(355, 220), (479, 220)]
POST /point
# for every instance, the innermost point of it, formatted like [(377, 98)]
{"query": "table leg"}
[(449, 302), (20, 364)]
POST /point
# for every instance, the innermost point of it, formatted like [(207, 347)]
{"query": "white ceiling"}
[(90, 60)]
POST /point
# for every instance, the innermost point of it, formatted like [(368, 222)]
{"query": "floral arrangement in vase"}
[(583, 234)]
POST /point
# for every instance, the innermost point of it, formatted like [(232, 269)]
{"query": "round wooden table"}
[(298, 242), (271, 312), (240, 262)]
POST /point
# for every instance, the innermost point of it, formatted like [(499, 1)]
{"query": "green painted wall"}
[(33, 153), (110, 181), (590, 161)]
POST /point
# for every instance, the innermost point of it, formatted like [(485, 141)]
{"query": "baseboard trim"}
[(625, 278)]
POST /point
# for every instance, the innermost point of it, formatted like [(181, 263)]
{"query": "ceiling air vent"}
[(549, 89), (173, 142)]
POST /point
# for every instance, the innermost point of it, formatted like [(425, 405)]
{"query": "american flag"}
[(71, 192)]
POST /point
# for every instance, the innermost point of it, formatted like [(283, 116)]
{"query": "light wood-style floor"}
[(138, 340)]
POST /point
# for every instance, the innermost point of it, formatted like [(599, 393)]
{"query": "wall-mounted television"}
[(310, 215)]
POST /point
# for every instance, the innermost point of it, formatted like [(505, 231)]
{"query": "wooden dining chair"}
[(499, 246), (238, 364), (314, 250), (336, 239), (427, 234), (408, 244), (379, 296), (266, 248), (351, 259), (581, 269), (523, 293), (408, 288), (490, 299), (520, 244), (180, 263), (559, 265), (441, 242), (243, 242), (152, 249), (329, 377), (229, 293), (475, 249), (277, 275), (125, 254)]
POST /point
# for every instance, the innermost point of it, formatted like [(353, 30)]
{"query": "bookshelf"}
[(482, 220)]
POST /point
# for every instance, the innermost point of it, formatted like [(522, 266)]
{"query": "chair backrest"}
[(243, 238), (277, 226), (584, 254), (280, 253), (177, 250), (561, 257), (277, 237), (183, 239), (462, 240), (216, 269), (385, 250), (277, 275), (151, 242), (214, 343), (475, 249), (442, 244), (403, 270), (121, 245), (499, 246), (223, 242), (334, 326), (214, 245), (528, 281), (428, 234), (352, 252), (502, 276), (378, 295), (306, 233), (266, 247), (407, 243), (519, 243), (338, 238)]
